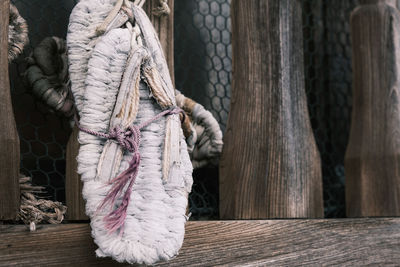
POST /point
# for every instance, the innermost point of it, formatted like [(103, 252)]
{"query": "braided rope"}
[(34, 209)]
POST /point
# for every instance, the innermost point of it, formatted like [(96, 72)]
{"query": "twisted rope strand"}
[(162, 9)]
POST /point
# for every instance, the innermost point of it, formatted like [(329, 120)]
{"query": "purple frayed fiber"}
[(116, 219)]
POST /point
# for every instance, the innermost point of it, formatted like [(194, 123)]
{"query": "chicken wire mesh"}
[(328, 75), (203, 66), (43, 135)]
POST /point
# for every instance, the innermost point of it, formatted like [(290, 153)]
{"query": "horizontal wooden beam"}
[(342, 242)]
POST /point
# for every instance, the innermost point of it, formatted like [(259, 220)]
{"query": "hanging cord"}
[(162, 9), (129, 140)]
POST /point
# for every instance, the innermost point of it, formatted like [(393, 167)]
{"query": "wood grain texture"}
[(164, 26), (333, 242), (270, 166), (372, 161), (73, 183), (9, 140)]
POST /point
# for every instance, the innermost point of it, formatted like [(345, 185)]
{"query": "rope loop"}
[(128, 140)]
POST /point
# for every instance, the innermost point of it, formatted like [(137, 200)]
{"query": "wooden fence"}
[(270, 167)]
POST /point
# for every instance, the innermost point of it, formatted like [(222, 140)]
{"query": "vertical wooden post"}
[(372, 162), (270, 167), (164, 26), (9, 140), (73, 183)]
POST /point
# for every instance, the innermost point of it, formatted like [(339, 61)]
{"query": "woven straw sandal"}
[(82, 36), (136, 192)]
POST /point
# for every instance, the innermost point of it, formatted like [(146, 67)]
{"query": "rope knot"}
[(128, 139)]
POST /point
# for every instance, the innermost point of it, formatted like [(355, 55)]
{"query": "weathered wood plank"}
[(270, 166), (73, 183), (9, 140), (333, 242), (372, 161), (164, 26)]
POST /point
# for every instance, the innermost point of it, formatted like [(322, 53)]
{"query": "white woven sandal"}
[(86, 17), (136, 197)]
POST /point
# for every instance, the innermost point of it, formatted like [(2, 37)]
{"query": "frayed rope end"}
[(115, 219)]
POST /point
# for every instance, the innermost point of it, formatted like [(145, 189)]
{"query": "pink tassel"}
[(115, 220)]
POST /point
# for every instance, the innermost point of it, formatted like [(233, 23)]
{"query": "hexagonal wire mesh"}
[(327, 59), (43, 134), (203, 71), (203, 67)]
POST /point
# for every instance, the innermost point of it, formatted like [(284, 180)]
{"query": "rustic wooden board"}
[(270, 165), (164, 26), (73, 183), (333, 242), (372, 161), (9, 140)]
